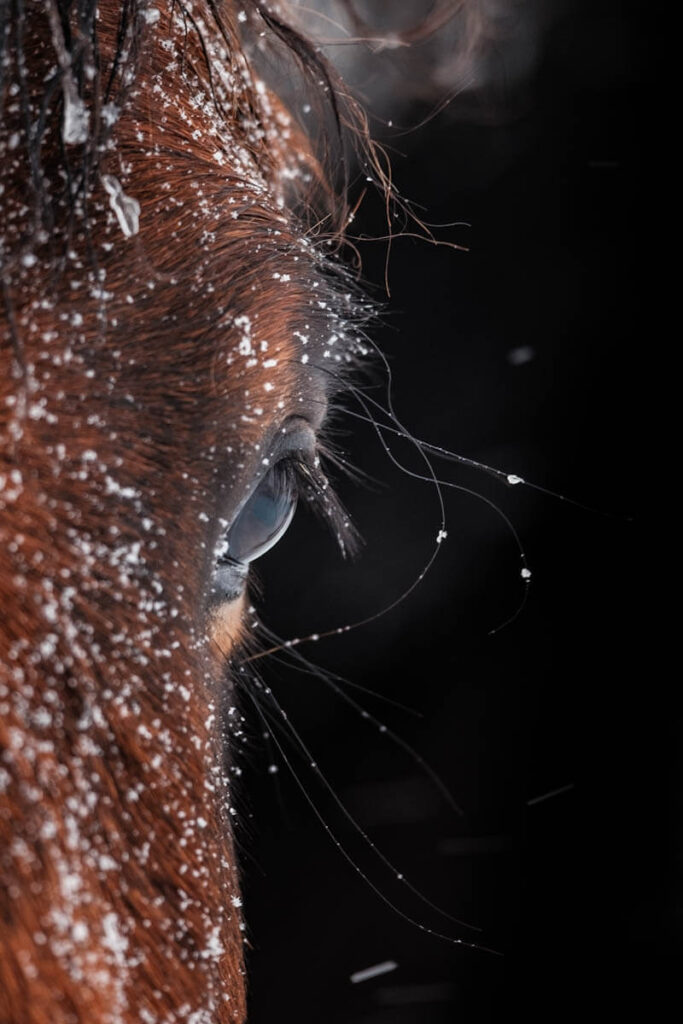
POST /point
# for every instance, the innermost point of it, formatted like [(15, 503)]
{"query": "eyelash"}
[(308, 480)]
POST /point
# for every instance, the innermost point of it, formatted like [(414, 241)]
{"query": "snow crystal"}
[(214, 947), (372, 972), (126, 208), (199, 1017), (110, 113), (113, 939), (114, 487), (76, 119), (79, 932)]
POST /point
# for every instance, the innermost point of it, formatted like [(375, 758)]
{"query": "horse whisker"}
[(385, 860)]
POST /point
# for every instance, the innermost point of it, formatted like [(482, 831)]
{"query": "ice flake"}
[(214, 947), (76, 119), (113, 938), (114, 487), (79, 932), (126, 208), (151, 15), (110, 113), (372, 972), (199, 1017)]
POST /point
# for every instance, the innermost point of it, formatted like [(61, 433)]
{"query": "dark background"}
[(576, 890)]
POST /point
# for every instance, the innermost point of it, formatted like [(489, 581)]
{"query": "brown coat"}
[(164, 313)]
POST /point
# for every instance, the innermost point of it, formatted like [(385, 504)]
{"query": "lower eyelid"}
[(228, 583)]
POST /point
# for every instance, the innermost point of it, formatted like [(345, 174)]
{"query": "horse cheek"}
[(226, 627)]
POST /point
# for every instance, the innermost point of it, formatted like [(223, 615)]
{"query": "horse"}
[(173, 334)]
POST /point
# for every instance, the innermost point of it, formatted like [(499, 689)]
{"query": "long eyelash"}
[(311, 485)]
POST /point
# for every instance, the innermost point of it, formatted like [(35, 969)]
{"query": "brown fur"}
[(134, 413)]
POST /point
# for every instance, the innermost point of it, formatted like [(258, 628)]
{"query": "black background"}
[(575, 891)]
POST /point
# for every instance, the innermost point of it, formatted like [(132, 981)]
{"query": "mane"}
[(62, 129)]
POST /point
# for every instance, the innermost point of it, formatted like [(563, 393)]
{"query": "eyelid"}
[(295, 436), (295, 441)]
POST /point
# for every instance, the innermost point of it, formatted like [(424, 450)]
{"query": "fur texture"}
[(164, 313)]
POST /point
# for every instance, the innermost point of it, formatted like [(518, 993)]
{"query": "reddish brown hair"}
[(171, 304), (165, 313)]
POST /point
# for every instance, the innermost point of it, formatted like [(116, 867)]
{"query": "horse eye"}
[(264, 519), (265, 515)]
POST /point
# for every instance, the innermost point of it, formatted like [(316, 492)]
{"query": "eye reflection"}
[(259, 525), (265, 517)]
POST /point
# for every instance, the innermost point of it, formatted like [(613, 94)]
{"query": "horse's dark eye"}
[(259, 524), (265, 517), (267, 512)]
